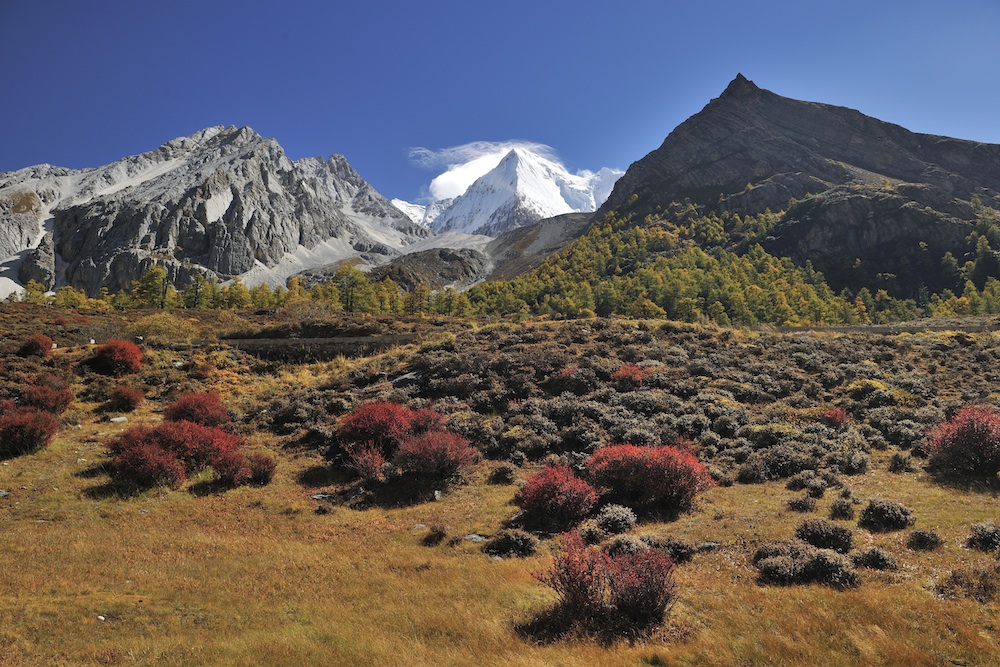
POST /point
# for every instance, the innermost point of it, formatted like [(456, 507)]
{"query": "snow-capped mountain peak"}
[(523, 188)]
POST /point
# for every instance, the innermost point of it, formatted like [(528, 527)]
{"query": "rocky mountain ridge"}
[(224, 202)]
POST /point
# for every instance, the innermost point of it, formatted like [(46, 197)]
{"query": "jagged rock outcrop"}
[(39, 264), (20, 209), (224, 201)]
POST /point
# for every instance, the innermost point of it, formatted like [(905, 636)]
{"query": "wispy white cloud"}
[(464, 164)]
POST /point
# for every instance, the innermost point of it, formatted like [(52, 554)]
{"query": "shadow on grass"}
[(558, 623), (983, 485), (319, 476), (112, 489)]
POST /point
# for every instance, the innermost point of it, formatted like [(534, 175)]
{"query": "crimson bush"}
[(438, 455), (385, 425), (145, 464), (148, 456), (968, 443), (624, 593), (116, 357), (25, 430), (836, 417), (577, 575), (50, 394), (640, 586), (204, 408), (557, 496), (125, 399), (36, 345), (262, 468), (660, 478), (628, 376), (368, 461), (232, 468)]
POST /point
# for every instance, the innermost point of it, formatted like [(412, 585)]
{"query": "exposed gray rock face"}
[(39, 264), (224, 201), (19, 214), (437, 268)]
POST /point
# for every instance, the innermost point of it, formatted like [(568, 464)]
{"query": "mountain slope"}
[(868, 203), (224, 201)]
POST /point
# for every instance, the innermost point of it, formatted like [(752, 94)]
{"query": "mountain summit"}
[(523, 188)]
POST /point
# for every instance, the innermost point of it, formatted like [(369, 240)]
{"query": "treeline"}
[(350, 290), (686, 266)]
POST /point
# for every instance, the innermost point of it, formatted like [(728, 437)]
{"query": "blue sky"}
[(85, 83)]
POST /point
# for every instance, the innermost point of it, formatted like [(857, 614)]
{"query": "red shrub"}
[(665, 479), (438, 455), (836, 417), (37, 345), (557, 496), (24, 430), (262, 468), (49, 393), (205, 408), (192, 445), (424, 420), (368, 461), (385, 425), (628, 376), (622, 593), (145, 464), (116, 357), (578, 576), (125, 399), (968, 443), (7, 406), (232, 468), (641, 586)]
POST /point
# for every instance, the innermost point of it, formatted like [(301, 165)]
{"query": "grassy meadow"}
[(296, 572)]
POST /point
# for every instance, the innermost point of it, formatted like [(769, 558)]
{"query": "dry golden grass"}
[(254, 576)]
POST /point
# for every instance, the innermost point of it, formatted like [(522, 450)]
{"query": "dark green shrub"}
[(874, 558), (825, 535), (842, 508), (885, 515), (982, 584), (512, 542), (624, 544), (680, 550), (901, 462), (924, 540), (985, 537), (802, 504), (615, 519), (503, 474)]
